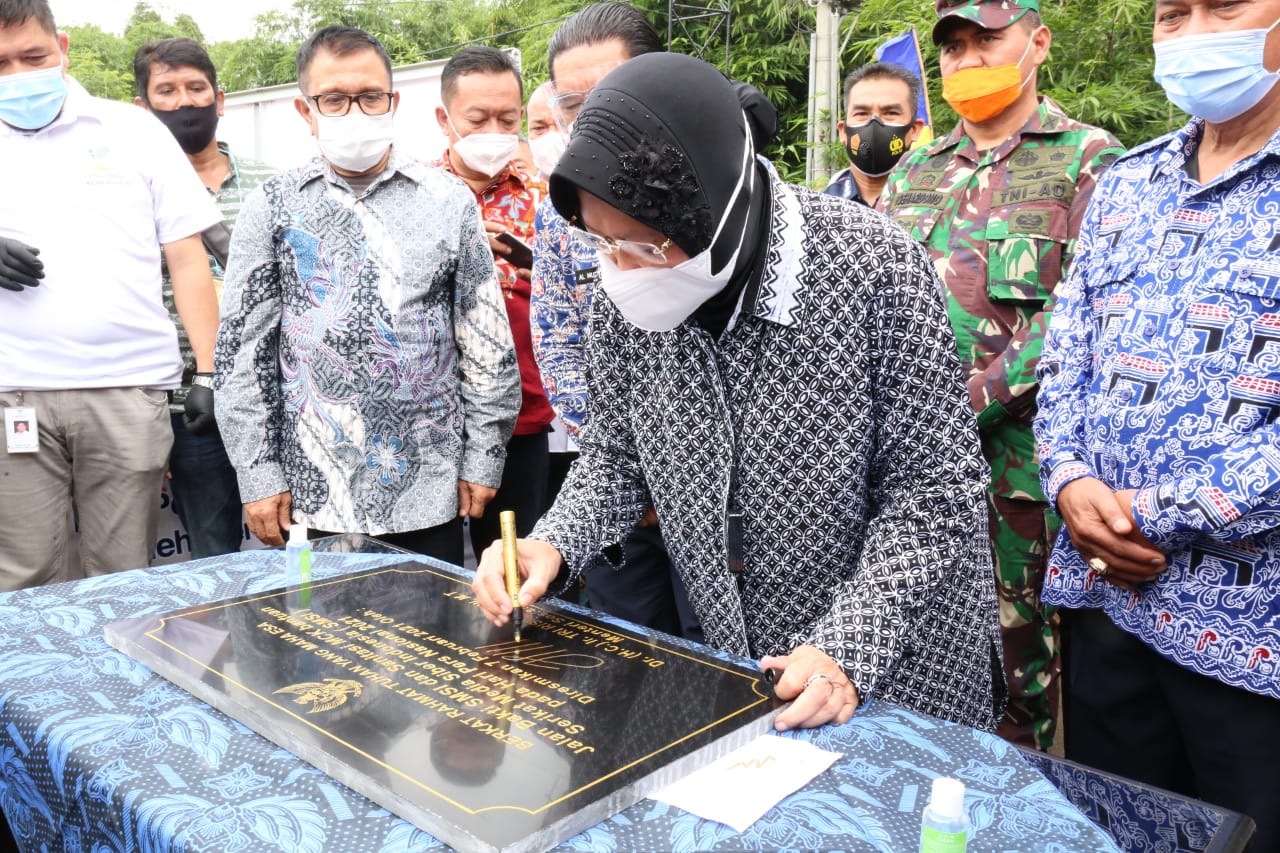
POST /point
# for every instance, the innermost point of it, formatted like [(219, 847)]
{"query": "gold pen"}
[(507, 522)]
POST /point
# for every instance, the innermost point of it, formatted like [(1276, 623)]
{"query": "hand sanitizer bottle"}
[(945, 827), (297, 556)]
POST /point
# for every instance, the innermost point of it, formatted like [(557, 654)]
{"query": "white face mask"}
[(547, 149), (486, 153), (657, 299), (354, 142)]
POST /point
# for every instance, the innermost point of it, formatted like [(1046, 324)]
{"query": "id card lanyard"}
[(21, 431), (733, 543), (733, 527)]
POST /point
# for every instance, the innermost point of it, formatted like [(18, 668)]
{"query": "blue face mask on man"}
[(1215, 76), (32, 100)]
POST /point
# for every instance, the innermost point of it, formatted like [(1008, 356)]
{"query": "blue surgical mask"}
[(31, 100), (1215, 76)]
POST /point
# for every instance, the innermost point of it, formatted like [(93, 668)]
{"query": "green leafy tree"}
[(187, 27), (265, 59), (146, 26), (1100, 68), (102, 62), (411, 32), (769, 48)]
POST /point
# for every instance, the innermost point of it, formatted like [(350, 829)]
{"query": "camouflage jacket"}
[(1000, 226)]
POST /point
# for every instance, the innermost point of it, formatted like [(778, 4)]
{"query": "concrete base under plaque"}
[(392, 682)]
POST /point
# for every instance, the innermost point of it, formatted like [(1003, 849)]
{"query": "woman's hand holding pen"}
[(821, 690), (539, 564)]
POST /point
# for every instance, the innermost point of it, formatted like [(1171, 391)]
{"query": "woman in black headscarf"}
[(773, 372)]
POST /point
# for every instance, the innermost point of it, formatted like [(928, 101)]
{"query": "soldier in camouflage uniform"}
[(998, 203)]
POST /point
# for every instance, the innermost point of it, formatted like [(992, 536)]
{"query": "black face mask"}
[(874, 148), (193, 127)]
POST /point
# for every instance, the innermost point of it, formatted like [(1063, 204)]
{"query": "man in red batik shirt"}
[(483, 97)]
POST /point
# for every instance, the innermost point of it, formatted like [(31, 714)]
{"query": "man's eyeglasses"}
[(339, 103), (647, 254), (566, 105)]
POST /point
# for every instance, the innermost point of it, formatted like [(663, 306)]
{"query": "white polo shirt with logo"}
[(98, 192)]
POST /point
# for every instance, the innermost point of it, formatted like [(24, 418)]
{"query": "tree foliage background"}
[(1099, 69)]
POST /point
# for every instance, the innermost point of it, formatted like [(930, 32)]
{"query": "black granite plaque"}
[(393, 682)]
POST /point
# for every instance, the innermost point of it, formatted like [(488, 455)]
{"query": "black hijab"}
[(661, 138)]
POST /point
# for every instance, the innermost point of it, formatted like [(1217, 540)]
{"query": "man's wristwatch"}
[(204, 380)]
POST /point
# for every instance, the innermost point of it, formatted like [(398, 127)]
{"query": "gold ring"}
[(1099, 565)]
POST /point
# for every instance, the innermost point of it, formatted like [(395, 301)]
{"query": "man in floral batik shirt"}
[(483, 97)]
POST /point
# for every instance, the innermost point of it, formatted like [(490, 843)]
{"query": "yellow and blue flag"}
[(904, 50)]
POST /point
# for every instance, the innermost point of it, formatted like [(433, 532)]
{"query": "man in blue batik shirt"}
[(1159, 438), (587, 46)]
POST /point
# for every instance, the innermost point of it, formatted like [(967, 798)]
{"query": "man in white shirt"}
[(94, 192)]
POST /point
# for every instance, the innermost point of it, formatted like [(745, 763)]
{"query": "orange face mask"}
[(979, 94)]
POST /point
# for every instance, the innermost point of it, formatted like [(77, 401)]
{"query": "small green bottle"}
[(945, 826), (297, 562)]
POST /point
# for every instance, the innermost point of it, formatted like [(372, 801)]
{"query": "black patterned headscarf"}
[(661, 138)]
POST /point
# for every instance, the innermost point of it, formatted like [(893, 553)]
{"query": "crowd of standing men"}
[(1022, 441)]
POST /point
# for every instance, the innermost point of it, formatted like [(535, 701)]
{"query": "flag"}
[(904, 50)]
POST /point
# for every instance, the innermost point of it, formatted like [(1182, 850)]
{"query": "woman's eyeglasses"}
[(641, 252)]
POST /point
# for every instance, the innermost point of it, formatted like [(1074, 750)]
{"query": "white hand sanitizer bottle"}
[(945, 827), (297, 556)]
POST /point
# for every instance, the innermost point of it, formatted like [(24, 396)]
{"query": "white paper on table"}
[(739, 788)]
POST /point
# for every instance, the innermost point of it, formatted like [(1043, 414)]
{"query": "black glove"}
[(19, 266), (197, 414)]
